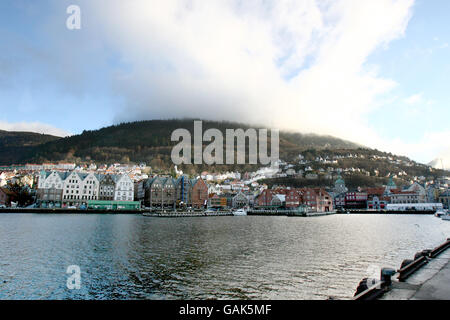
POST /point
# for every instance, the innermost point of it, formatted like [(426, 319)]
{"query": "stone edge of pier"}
[(426, 283), (425, 277)]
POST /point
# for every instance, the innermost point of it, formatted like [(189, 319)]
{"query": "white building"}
[(124, 190), (78, 187)]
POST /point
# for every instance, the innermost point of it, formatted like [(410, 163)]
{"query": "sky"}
[(372, 72)]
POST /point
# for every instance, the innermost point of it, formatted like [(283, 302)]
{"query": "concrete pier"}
[(431, 282), (425, 277)]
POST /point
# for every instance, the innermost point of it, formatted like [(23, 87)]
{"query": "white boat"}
[(240, 212), (446, 216), (439, 213)]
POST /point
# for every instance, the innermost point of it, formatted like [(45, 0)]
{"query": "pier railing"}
[(408, 267), (437, 251)]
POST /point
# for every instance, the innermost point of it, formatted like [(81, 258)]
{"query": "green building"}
[(113, 205)]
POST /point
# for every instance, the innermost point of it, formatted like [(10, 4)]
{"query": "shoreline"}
[(158, 213)]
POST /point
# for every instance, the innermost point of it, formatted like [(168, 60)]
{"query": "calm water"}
[(135, 257)]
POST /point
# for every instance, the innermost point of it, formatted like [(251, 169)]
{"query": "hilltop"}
[(16, 146), (149, 142), (142, 141)]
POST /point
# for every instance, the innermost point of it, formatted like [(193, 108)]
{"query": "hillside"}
[(149, 141), (15, 147)]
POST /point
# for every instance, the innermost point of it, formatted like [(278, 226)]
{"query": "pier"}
[(425, 277), (182, 214), (369, 211), (288, 213), (66, 211)]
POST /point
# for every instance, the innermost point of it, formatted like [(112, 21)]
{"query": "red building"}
[(317, 199), (265, 198), (293, 198), (200, 194), (356, 200)]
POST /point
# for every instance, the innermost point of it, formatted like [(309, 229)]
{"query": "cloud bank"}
[(299, 65), (291, 64), (33, 127)]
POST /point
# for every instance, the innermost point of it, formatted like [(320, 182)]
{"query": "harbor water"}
[(248, 257)]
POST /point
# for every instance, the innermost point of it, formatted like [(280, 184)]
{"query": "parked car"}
[(2, 206)]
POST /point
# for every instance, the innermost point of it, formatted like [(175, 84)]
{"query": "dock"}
[(288, 213), (425, 277), (182, 214), (66, 211), (432, 282), (369, 211)]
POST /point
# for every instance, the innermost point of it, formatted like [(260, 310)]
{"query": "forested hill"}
[(143, 141), (16, 146)]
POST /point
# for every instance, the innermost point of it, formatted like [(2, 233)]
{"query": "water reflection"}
[(135, 257)]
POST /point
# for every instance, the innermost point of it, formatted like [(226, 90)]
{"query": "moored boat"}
[(240, 212), (439, 213)]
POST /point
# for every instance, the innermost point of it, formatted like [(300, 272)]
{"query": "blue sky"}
[(371, 72), (420, 64)]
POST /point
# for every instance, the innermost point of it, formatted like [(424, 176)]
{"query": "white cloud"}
[(430, 146), (33, 127), (414, 99), (290, 64)]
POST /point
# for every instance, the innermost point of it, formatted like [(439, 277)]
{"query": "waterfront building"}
[(240, 200), (80, 187), (90, 187), (324, 201), (317, 199), (162, 192), (215, 201), (356, 200), (278, 201), (106, 188), (139, 191), (184, 190), (113, 205), (199, 193), (339, 200), (419, 190), (398, 197), (264, 198), (170, 192), (75, 188), (124, 188), (293, 198), (376, 198), (310, 198), (51, 187)]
